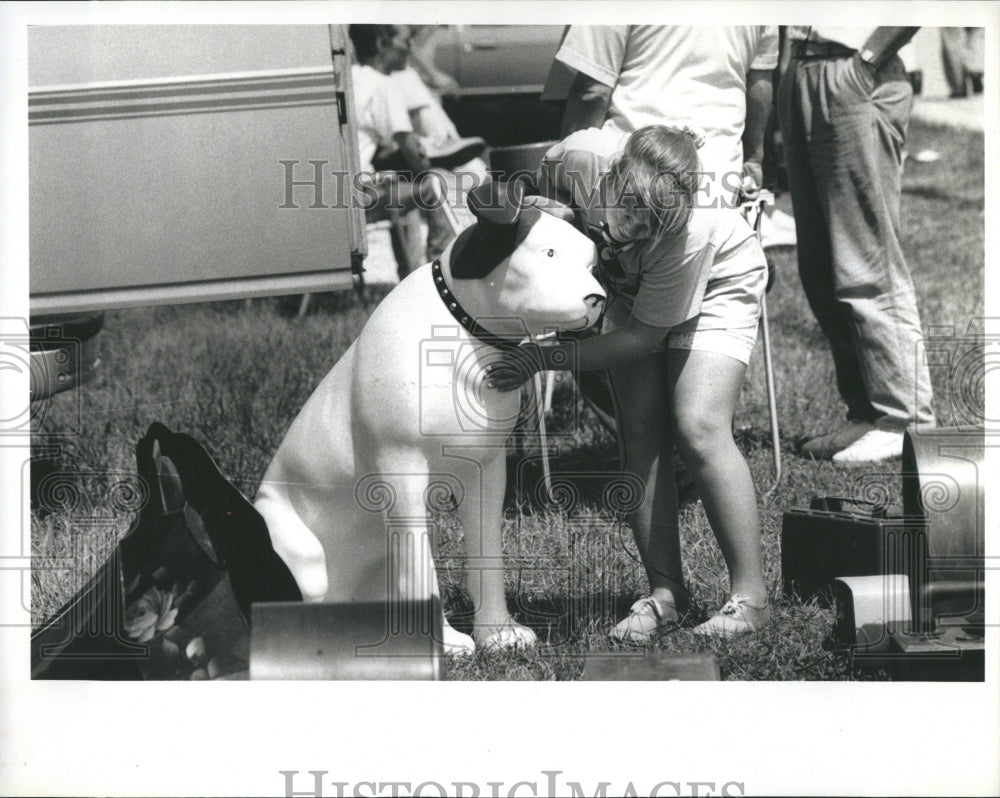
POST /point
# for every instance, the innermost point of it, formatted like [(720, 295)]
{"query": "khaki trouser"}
[(843, 137)]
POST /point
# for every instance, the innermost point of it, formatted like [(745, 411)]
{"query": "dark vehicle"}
[(501, 71)]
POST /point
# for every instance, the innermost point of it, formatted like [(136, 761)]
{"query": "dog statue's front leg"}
[(412, 575), (481, 514)]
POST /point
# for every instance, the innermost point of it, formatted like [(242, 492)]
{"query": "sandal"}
[(645, 618), (737, 617)]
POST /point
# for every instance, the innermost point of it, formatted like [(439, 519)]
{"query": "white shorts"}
[(728, 320), (737, 343), (726, 324)]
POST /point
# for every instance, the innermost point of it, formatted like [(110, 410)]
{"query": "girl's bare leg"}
[(704, 392)]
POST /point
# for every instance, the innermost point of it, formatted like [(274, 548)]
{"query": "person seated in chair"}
[(384, 125), (419, 83)]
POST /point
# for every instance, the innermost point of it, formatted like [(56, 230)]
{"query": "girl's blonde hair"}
[(658, 169)]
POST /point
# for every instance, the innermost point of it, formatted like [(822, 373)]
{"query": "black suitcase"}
[(841, 537)]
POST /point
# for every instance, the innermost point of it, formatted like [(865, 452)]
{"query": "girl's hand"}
[(515, 367)]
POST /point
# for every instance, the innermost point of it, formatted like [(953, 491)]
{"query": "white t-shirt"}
[(428, 117), (380, 112), (714, 269), (411, 88), (676, 75)]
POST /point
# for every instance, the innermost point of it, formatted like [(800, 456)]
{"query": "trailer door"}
[(177, 163)]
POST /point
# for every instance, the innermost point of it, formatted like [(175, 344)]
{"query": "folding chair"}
[(753, 211)]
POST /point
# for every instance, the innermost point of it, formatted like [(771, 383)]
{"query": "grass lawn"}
[(234, 375)]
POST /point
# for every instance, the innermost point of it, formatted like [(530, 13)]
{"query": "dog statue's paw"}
[(511, 636), (455, 643)]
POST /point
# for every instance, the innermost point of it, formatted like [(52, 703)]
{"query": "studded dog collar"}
[(462, 316)]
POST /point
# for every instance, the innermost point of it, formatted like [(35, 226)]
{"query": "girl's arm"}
[(618, 347)]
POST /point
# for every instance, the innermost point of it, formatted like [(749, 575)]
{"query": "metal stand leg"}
[(542, 437), (772, 405)]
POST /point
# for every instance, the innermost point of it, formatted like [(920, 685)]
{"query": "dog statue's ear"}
[(499, 229), (497, 205)]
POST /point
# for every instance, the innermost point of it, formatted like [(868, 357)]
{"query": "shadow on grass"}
[(558, 620), (571, 630), (584, 477)]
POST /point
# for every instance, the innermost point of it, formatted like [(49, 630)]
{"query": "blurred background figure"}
[(421, 84), (962, 53), (422, 60), (385, 130)]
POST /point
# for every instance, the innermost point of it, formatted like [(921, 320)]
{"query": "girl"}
[(685, 281)]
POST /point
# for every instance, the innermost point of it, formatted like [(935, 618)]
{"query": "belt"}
[(803, 49)]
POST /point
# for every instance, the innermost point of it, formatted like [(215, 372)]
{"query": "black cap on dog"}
[(502, 222)]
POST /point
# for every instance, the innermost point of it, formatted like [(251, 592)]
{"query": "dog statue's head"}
[(527, 261)]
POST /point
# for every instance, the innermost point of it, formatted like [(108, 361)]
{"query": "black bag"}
[(173, 600)]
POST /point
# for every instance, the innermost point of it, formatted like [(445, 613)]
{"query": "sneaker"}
[(872, 447), (824, 447), (737, 617), (645, 618), (454, 152)]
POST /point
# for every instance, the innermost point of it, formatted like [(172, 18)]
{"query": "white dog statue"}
[(405, 416)]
